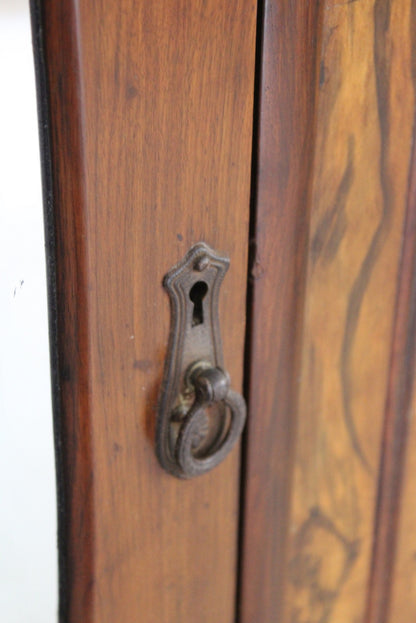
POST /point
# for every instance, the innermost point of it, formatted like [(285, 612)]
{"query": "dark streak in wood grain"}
[(331, 229), (307, 561), (358, 290)]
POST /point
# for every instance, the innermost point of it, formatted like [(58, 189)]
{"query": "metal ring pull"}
[(199, 417), (211, 385)]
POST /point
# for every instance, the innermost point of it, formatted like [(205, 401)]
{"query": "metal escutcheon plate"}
[(199, 417)]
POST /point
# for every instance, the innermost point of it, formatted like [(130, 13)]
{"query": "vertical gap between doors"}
[(249, 295)]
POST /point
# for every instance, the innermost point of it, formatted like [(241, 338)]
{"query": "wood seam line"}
[(251, 242)]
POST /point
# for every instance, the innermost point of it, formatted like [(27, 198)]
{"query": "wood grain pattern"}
[(150, 126), (290, 48), (402, 575), (315, 436), (362, 156), (392, 594)]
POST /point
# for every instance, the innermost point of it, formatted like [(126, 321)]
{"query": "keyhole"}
[(196, 294)]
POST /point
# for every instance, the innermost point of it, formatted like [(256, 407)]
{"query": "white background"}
[(28, 556)]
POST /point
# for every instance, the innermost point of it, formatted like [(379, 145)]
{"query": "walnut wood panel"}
[(150, 115), (313, 525), (291, 37), (362, 155)]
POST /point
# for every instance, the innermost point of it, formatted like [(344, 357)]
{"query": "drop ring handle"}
[(212, 387)]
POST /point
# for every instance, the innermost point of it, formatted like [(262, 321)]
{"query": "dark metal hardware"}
[(200, 418)]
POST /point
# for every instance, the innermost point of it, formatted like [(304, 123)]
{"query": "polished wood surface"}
[(402, 574), (362, 155), (286, 114), (393, 584), (325, 432), (150, 112), (146, 117)]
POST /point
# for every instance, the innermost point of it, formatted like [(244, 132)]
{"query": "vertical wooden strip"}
[(150, 121), (63, 169), (291, 38), (389, 576), (393, 587), (402, 595)]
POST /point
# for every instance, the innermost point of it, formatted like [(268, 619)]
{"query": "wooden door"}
[(281, 134), (329, 523), (148, 152)]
